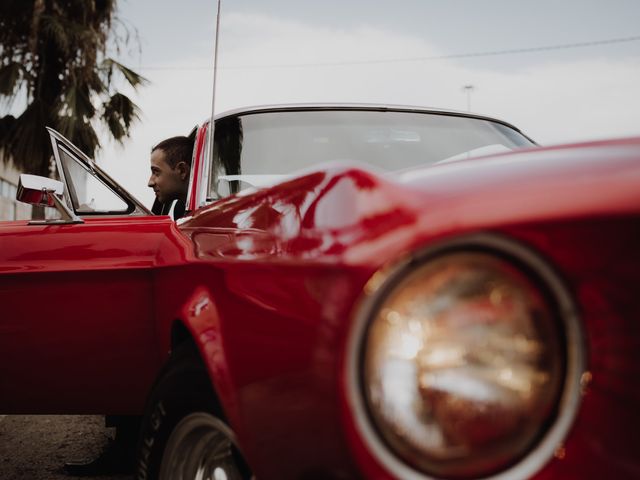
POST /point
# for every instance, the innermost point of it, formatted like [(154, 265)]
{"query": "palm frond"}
[(134, 79), (81, 133), (116, 129), (67, 125), (87, 139), (77, 102), (95, 83), (119, 113)]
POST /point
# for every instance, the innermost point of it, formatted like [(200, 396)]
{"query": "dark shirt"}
[(165, 208)]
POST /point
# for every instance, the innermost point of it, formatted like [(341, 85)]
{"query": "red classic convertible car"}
[(355, 292)]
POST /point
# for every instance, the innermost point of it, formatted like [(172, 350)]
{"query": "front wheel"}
[(181, 437), (202, 447)]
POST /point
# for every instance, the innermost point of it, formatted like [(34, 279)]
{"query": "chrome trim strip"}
[(53, 136), (358, 106), (575, 348)]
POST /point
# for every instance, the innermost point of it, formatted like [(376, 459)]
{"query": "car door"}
[(76, 323)]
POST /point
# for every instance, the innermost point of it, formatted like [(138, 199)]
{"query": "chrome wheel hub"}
[(201, 447)]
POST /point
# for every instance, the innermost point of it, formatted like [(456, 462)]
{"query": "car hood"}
[(569, 180), (354, 214)]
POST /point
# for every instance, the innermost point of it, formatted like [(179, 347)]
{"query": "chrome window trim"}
[(192, 173), (570, 400), (206, 170), (97, 172), (55, 137), (373, 107)]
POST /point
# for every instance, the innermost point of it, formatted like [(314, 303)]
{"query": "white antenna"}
[(212, 124), (215, 62)]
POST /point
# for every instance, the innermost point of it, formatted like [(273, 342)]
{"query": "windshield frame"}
[(212, 174)]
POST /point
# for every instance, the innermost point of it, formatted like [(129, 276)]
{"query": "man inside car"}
[(170, 169)]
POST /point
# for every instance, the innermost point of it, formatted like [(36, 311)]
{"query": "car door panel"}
[(80, 334)]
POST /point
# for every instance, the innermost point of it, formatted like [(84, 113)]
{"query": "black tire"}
[(182, 388)]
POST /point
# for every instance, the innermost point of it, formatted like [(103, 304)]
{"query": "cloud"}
[(572, 101), (552, 102)]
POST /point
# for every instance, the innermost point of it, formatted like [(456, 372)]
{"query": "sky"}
[(561, 71)]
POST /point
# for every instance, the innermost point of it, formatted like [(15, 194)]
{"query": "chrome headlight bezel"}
[(544, 277)]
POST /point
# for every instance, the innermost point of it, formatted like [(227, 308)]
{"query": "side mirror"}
[(39, 191), (43, 191)]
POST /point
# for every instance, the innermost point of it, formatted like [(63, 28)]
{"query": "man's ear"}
[(183, 170)]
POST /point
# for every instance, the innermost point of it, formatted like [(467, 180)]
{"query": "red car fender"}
[(202, 320)]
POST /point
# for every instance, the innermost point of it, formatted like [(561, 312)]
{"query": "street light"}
[(468, 88)]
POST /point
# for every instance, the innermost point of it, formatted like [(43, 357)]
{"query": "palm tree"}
[(54, 61)]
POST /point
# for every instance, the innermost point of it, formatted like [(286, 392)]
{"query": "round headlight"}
[(463, 365)]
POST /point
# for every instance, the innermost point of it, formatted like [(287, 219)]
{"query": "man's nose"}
[(151, 182)]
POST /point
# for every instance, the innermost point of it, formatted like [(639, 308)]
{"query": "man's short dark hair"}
[(176, 150)]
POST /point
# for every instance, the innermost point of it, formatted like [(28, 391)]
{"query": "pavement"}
[(35, 447)]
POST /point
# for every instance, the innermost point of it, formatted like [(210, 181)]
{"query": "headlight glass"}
[(463, 365)]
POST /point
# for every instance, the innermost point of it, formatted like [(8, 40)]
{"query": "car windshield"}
[(258, 149)]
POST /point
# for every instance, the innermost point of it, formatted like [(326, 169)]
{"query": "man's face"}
[(168, 183)]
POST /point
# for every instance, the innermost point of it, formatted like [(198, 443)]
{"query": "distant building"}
[(10, 208)]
